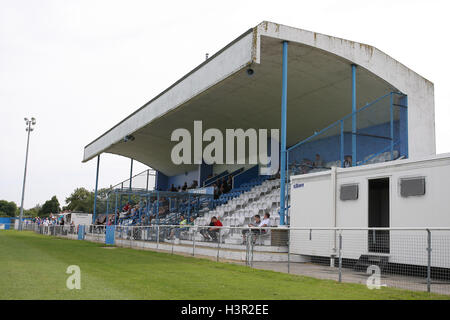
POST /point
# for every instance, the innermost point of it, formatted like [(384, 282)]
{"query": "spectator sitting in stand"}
[(184, 188), (213, 231), (110, 221), (258, 223), (318, 163), (216, 191), (230, 183), (225, 186), (176, 231), (347, 161), (194, 184), (305, 166), (125, 213)]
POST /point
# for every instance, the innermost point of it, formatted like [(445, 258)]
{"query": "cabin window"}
[(410, 187), (349, 192)]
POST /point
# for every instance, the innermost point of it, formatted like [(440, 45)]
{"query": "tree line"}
[(81, 200)]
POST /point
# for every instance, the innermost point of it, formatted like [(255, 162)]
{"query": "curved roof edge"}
[(246, 49), (228, 52), (356, 52)]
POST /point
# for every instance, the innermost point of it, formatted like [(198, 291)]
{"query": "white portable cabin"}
[(412, 193), (78, 218)]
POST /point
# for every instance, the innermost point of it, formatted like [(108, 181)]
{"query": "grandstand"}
[(337, 103)]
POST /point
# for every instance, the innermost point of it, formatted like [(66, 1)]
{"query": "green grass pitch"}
[(33, 266)]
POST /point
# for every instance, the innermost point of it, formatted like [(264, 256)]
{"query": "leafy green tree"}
[(80, 200), (8, 209), (33, 212), (50, 206)]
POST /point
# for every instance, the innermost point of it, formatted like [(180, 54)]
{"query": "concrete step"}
[(237, 253), (225, 251)]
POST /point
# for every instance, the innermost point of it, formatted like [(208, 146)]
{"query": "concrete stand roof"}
[(222, 94)]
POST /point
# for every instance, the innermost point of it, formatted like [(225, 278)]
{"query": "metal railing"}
[(375, 132), (131, 189), (140, 181), (407, 258)]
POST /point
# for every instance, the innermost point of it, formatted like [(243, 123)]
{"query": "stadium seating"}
[(238, 209)]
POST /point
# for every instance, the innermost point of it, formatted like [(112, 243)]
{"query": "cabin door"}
[(379, 215)]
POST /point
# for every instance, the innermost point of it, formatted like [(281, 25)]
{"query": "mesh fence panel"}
[(411, 259), (305, 158), (375, 133)]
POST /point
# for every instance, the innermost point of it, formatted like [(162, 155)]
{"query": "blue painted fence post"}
[(110, 235), (81, 232)]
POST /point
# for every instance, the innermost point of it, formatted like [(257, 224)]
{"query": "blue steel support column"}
[(286, 212), (147, 210), (391, 106), (198, 206), (131, 178), (140, 208), (404, 126), (157, 206), (115, 209), (107, 209), (353, 115), (189, 206), (342, 144), (96, 189), (283, 134)]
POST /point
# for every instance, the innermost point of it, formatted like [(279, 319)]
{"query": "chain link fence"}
[(412, 259)]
